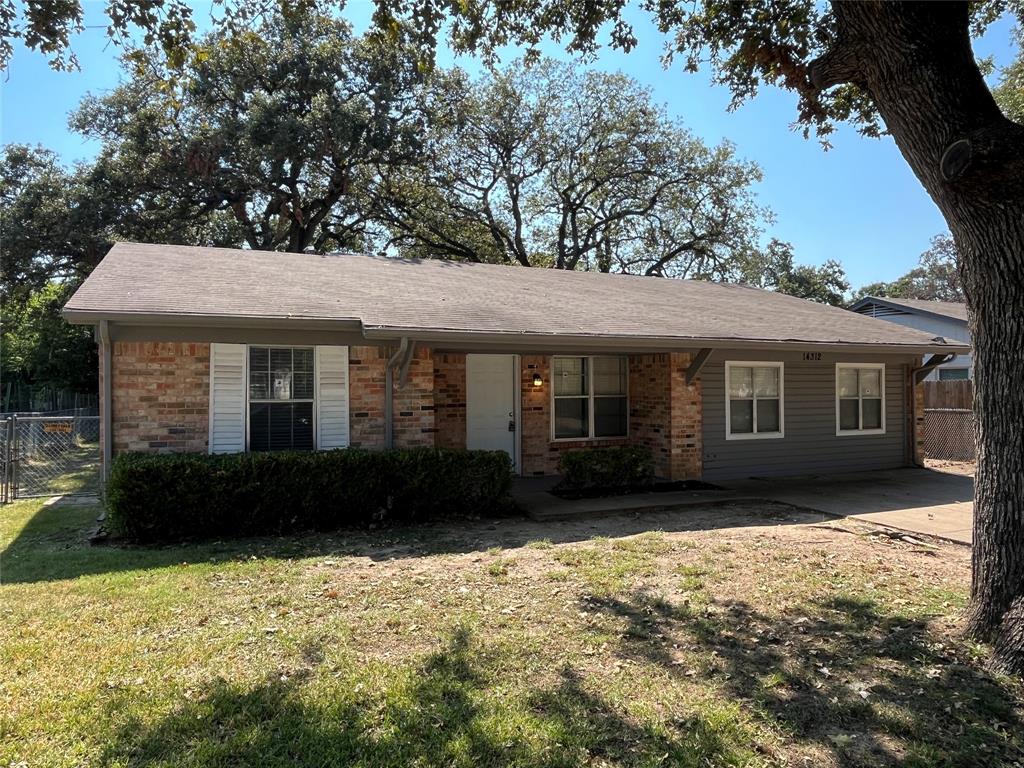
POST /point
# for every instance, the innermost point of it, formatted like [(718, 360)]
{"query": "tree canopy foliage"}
[(285, 128), (58, 223), (935, 278), (38, 347), (1009, 93), (548, 165), (776, 270), (49, 26), (295, 134), (299, 135), (47, 218)]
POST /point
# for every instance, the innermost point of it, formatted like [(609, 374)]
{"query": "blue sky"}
[(858, 203)]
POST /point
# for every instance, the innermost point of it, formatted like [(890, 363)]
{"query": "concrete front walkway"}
[(921, 501)]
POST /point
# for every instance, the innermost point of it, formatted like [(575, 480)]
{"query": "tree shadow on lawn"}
[(53, 545), (869, 687), (449, 710)]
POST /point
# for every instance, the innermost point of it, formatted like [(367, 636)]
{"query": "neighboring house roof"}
[(954, 310), (455, 301)]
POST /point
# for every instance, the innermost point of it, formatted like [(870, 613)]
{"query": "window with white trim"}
[(754, 400), (860, 398), (590, 397), (281, 398)]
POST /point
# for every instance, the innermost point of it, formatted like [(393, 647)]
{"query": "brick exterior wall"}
[(161, 403), (535, 418), (366, 396), (650, 408), (160, 394), (450, 399), (687, 421), (539, 453), (665, 414), (413, 416)]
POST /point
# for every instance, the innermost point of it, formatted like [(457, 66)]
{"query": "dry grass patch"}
[(726, 636)]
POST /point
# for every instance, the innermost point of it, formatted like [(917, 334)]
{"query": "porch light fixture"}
[(538, 381)]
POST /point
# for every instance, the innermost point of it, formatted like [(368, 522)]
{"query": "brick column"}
[(650, 408), (918, 422), (537, 454), (666, 415), (687, 421)]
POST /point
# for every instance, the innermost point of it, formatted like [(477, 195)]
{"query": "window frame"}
[(589, 397), (315, 400), (778, 364), (880, 367), (958, 368)]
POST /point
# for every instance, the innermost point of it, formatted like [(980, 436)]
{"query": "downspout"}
[(103, 334), (400, 359)]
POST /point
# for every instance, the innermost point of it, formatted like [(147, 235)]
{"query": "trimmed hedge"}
[(170, 497), (606, 469)]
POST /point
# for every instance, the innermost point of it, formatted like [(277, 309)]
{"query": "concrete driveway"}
[(919, 500), (924, 501)]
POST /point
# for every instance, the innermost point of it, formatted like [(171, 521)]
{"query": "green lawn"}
[(723, 638)]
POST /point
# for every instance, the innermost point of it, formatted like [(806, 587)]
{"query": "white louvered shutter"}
[(332, 397), (227, 398)]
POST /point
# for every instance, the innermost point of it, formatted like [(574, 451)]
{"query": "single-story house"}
[(220, 350), (940, 318)]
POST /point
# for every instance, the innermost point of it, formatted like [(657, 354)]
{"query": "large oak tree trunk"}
[(916, 62)]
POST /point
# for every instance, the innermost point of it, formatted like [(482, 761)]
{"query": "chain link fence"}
[(49, 455), (949, 434)]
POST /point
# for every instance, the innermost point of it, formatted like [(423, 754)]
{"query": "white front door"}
[(491, 403)]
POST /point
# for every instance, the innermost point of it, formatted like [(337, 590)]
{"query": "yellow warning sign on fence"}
[(58, 427)]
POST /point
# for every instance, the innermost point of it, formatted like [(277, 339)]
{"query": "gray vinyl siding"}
[(810, 444), (949, 328)]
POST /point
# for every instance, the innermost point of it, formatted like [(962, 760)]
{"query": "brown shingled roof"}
[(156, 283)]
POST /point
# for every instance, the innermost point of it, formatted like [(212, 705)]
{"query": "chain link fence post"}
[(7, 435)]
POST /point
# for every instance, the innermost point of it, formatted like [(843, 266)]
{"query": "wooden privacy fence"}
[(949, 394)]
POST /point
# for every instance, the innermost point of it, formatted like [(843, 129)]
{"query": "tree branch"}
[(838, 65)]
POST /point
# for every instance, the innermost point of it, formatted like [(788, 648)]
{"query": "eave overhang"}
[(472, 340)]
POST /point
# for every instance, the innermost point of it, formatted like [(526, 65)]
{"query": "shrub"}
[(168, 497), (606, 469)]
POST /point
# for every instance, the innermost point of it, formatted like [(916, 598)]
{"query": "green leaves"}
[(1009, 94), (38, 347), (48, 27), (283, 129), (773, 268), (605, 469), (171, 497), (936, 278), (548, 164)]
